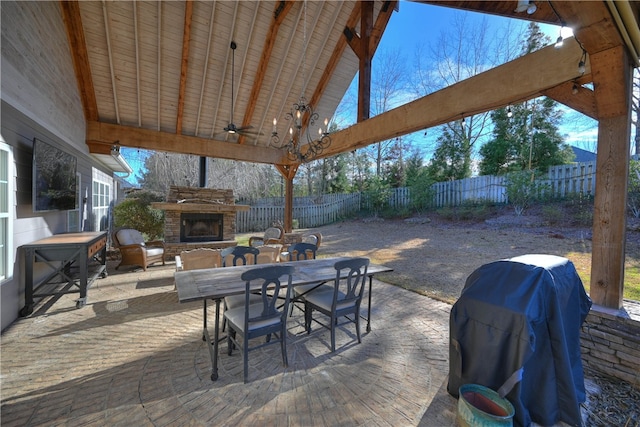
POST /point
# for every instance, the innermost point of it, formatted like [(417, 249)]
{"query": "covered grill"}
[(516, 329)]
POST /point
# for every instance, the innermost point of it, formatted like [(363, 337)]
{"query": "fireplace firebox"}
[(201, 227)]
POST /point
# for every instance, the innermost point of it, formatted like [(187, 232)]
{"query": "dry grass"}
[(434, 255)]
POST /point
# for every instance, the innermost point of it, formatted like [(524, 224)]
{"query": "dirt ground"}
[(434, 256)]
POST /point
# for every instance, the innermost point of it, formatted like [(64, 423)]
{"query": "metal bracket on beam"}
[(278, 10), (348, 34)]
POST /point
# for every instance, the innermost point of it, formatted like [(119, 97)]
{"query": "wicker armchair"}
[(135, 251), (272, 236)]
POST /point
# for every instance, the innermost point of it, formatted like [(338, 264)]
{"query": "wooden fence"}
[(315, 211), (308, 212)]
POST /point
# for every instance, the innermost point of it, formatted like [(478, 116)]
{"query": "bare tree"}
[(388, 90), (248, 180), (467, 48)]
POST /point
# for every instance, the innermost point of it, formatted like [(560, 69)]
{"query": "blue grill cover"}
[(521, 318)]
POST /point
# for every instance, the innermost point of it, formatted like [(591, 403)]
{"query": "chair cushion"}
[(236, 316), (129, 236), (303, 289), (154, 252), (272, 233), (325, 299), (235, 301)]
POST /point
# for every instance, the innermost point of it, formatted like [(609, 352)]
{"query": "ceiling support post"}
[(202, 175), (364, 74), (612, 78), (288, 172)]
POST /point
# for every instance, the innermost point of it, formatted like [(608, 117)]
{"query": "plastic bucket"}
[(479, 406)]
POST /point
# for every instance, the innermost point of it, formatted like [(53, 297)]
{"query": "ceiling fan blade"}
[(244, 131)]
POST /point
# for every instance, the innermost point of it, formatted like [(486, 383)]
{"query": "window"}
[(101, 201), (6, 204), (73, 216)]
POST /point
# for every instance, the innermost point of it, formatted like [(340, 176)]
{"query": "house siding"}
[(40, 99)]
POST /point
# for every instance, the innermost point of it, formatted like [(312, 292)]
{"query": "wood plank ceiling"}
[(162, 75), (168, 67)]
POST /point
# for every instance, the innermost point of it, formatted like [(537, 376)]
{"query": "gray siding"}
[(40, 99), (37, 71)]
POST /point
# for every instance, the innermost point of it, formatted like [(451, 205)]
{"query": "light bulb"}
[(574, 89), (509, 112), (581, 67), (532, 8), (559, 42)]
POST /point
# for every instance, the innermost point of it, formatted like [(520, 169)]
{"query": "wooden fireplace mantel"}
[(199, 207)]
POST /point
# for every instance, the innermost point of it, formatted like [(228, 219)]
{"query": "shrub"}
[(422, 194), (378, 194), (523, 189), (633, 193), (136, 212), (552, 214)]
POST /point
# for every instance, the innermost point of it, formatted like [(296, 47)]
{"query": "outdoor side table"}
[(60, 252)]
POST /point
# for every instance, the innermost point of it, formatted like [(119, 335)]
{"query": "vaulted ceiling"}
[(163, 76)]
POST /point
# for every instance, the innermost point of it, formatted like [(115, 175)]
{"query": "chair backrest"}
[(313, 238), (200, 258), (351, 275), (300, 251), (239, 255), (269, 253), (271, 282)]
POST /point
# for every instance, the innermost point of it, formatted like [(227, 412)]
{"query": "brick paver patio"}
[(134, 356)]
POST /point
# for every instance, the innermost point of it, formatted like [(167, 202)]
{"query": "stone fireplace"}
[(199, 218)]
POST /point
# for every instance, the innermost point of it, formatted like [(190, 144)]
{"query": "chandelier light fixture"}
[(300, 145)]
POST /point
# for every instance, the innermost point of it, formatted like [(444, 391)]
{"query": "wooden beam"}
[(281, 10), (127, 136), (612, 77), (184, 63), (381, 24), (365, 56), (574, 96), (364, 46), (516, 81), (80, 56)]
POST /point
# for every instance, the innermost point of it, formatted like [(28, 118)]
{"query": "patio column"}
[(288, 172), (612, 79)]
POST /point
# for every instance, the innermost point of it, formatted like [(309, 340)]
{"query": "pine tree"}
[(525, 136)]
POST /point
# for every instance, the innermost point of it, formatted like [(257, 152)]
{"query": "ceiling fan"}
[(231, 128)]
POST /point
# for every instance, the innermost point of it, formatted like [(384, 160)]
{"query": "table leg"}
[(204, 316), (213, 346), (84, 280), (216, 340), (369, 306), (28, 283)]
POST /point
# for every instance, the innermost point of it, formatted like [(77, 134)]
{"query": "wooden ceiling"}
[(160, 75)]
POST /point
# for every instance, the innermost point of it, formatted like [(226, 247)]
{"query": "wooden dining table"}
[(217, 283)]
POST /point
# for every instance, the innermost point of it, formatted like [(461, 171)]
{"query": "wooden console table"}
[(60, 252)]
